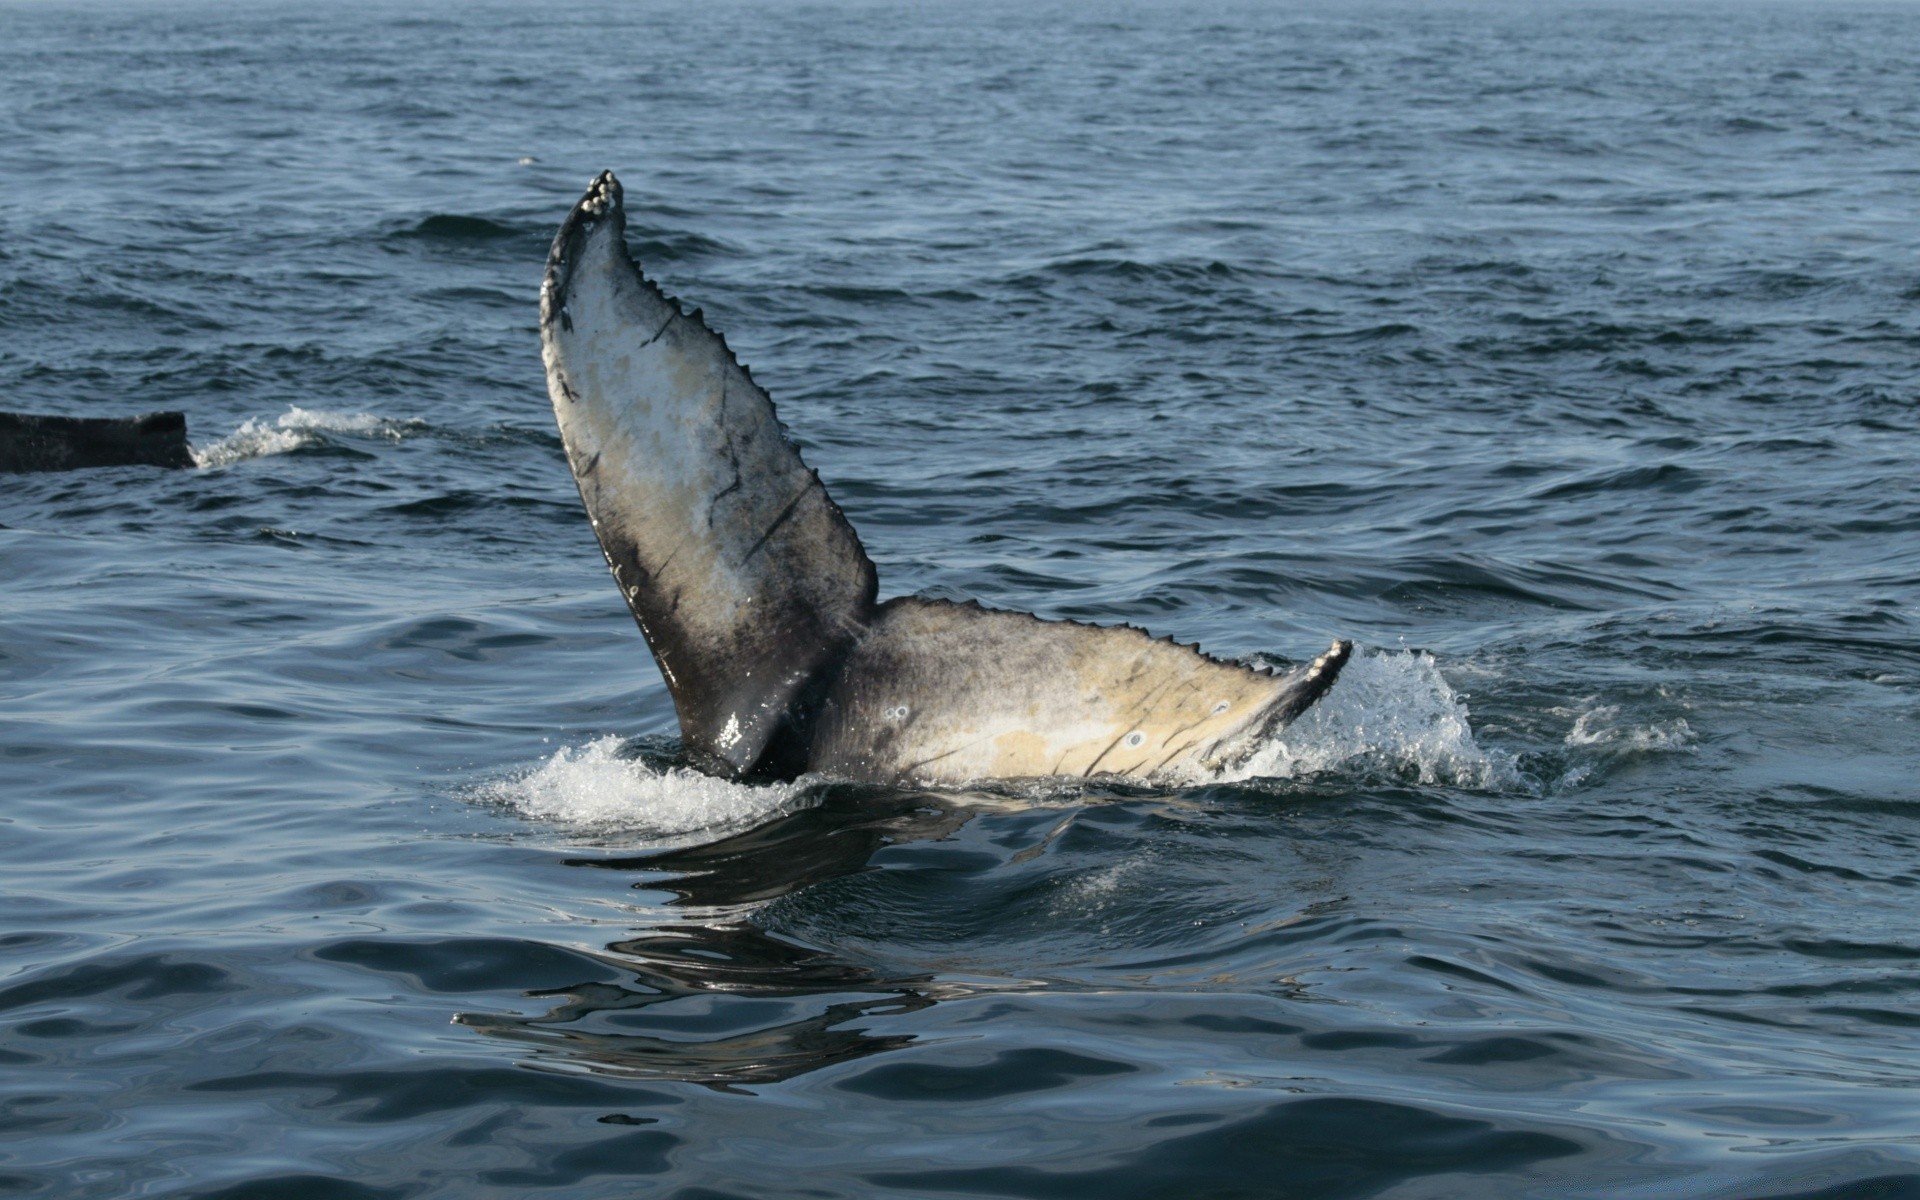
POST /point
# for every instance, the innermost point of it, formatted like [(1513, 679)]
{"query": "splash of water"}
[(293, 429), (1601, 738), (1602, 726), (592, 789), (1392, 711)]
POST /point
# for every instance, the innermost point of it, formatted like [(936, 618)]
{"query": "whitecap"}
[(1602, 726)]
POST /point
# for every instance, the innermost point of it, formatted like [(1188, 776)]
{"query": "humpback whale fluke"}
[(761, 607), (36, 443)]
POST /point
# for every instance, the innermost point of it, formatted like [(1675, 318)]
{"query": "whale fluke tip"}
[(604, 194)]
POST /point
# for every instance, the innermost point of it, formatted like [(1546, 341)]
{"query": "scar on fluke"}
[(778, 653)]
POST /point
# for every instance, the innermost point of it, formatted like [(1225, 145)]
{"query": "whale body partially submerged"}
[(762, 608), (30, 442)]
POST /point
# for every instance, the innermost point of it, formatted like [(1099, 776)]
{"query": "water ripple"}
[(1562, 358)]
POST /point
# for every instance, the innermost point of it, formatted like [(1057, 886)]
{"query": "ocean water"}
[(1565, 356)]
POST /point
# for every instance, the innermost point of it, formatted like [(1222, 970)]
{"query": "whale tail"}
[(759, 603)]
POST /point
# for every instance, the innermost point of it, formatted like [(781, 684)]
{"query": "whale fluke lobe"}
[(745, 578), (944, 691), (37, 443), (760, 605)]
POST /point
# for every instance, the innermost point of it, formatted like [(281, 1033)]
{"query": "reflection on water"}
[(746, 1006), (832, 838), (722, 1046)]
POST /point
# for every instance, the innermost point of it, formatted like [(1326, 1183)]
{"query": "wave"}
[(293, 429), (1602, 727), (1601, 737)]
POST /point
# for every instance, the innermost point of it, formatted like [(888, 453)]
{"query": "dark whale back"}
[(38, 443)]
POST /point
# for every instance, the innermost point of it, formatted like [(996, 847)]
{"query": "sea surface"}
[(1565, 356)]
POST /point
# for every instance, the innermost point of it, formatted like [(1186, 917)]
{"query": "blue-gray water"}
[(1564, 356)]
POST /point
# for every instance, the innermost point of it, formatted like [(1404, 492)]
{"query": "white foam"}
[(293, 429), (591, 789), (1602, 726), (1390, 710)]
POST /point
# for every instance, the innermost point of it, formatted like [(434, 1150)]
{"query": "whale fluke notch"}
[(760, 605), (40, 443)]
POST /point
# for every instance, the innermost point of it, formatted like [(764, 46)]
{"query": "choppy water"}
[(1563, 356)]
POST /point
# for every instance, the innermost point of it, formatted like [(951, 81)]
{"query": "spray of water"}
[(592, 789), (1391, 711), (293, 429), (1604, 726)]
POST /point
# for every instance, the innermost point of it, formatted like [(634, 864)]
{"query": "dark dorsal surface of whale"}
[(762, 608), (36, 443)]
